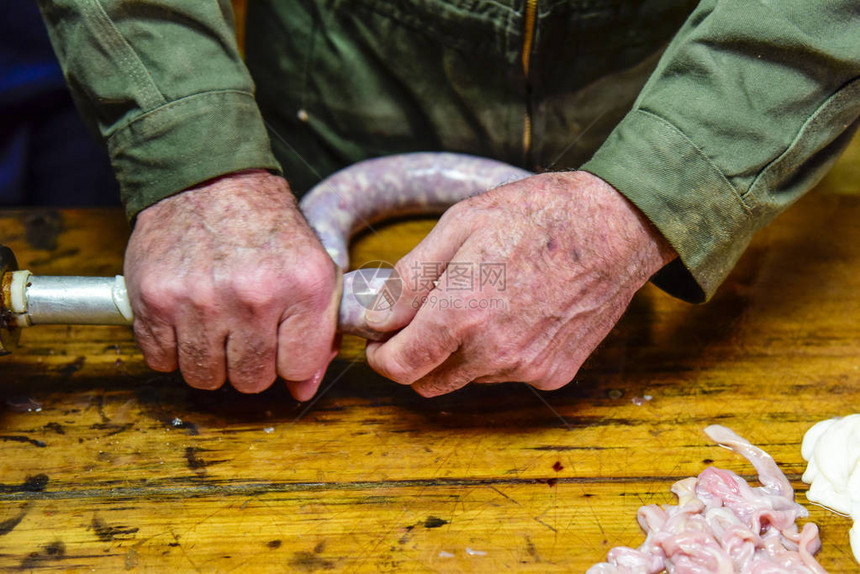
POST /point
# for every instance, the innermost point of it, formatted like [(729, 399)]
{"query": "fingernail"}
[(377, 317)]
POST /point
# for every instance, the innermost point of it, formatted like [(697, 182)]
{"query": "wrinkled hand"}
[(227, 280), (573, 252)]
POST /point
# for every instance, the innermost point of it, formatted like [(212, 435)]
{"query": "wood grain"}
[(125, 469)]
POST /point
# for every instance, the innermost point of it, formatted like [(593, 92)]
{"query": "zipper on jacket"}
[(528, 37)]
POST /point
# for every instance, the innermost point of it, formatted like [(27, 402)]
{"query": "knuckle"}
[(551, 384), (163, 299), (505, 358), (303, 351), (450, 215), (198, 368), (148, 283), (429, 352), (251, 385), (467, 324), (454, 213), (451, 221), (253, 372), (193, 354), (291, 369), (477, 206), (197, 294), (534, 374), (311, 283), (553, 379), (290, 372), (434, 387), (394, 369), (158, 362), (158, 352), (252, 296), (442, 331), (202, 295), (428, 391), (203, 380), (156, 300), (406, 268)]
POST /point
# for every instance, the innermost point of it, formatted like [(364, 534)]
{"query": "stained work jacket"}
[(711, 117)]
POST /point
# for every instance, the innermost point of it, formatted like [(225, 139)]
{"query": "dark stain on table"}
[(113, 429), (309, 562), (9, 524), (107, 533), (194, 462), (434, 522), (53, 551), (55, 427), (35, 483), (21, 438), (43, 228), (69, 369)]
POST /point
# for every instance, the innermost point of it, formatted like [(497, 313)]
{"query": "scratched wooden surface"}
[(119, 468)]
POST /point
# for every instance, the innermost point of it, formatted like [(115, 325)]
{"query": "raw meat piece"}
[(723, 525)]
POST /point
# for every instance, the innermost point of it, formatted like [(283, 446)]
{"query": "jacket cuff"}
[(185, 142), (685, 196)]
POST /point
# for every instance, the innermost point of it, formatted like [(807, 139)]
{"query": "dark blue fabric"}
[(47, 157)]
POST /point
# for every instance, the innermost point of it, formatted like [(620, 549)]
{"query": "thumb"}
[(418, 273)]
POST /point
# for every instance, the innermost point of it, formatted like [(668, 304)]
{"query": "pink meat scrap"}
[(723, 525)]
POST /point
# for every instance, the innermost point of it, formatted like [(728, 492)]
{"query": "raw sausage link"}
[(354, 198)]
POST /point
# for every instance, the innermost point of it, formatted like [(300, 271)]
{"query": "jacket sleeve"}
[(162, 81), (749, 106)]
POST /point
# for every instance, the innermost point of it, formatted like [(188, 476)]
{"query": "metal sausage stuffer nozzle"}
[(27, 299)]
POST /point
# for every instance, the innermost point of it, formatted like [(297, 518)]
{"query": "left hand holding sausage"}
[(518, 284)]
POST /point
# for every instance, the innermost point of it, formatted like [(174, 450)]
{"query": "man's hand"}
[(573, 252), (227, 280)]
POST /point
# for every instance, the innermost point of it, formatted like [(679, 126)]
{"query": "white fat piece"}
[(832, 450), (18, 297), (119, 294)]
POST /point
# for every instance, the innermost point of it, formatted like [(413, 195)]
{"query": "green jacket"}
[(711, 118)]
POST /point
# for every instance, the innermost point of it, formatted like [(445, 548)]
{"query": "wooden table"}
[(119, 468)]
